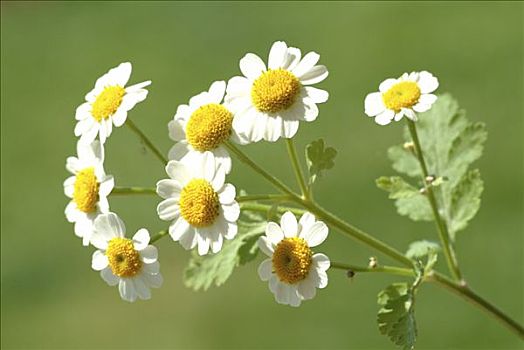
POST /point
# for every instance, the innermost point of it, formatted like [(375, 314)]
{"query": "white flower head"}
[(88, 188), (405, 96), (293, 270), (203, 125), (130, 263), (269, 103), (108, 104), (200, 205)]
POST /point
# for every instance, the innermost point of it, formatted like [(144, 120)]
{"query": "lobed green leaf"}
[(319, 158)]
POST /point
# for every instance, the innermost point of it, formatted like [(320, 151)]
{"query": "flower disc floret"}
[(209, 126), (107, 103), (86, 187), (402, 95), (199, 203), (292, 260), (123, 258), (275, 90)]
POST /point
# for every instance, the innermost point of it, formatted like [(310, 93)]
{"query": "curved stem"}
[(146, 141), (386, 269), (262, 197), (297, 168), (441, 225), (468, 294), (133, 190), (157, 236)]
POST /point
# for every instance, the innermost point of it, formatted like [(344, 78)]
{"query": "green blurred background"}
[(52, 53)]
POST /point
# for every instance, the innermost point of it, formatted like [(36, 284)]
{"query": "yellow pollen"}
[(401, 95), (107, 102), (292, 260), (208, 127), (124, 260), (199, 204), (275, 90), (85, 193)]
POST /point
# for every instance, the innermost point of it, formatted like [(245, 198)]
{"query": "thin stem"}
[(386, 269), (262, 197), (441, 225), (297, 168), (146, 141), (273, 180), (466, 293), (133, 190), (157, 236), (264, 208)]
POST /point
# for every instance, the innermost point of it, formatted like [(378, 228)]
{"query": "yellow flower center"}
[(275, 90), (85, 194), (401, 95), (107, 102), (292, 260), (199, 204), (208, 127), (123, 258)]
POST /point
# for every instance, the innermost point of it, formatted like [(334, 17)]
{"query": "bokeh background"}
[(52, 53)]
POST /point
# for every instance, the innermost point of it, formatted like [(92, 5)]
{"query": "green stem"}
[(146, 141), (386, 269), (441, 225), (264, 208), (466, 293), (262, 197), (297, 168), (133, 190), (157, 236)]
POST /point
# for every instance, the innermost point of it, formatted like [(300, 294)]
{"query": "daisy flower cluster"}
[(266, 102)]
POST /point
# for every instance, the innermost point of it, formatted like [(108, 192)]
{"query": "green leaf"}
[(420, 249), (204, 271), (450, 144), (396, 317), (319, 158), (409, 201), (465, 201)]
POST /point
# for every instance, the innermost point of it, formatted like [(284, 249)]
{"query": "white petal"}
[(180, 151), (306, 64), (273, 129), (107, 227), (231, 211), (316, 234), (237, 86), (310, 109), (71, 212), (108, 276), (231, 231), (83, 111), (141, 288), (99, 261), (290, 128), (289, 224), (274, 233), (316, 95), (189, 239), (199, 100), (151, 268), (314, 75), (168, 209), (265, 246), (227, 194), (178, 171), (427, 82), (168, 188), (306, 221), (216, 245), (252, 66), (385, 117), (387, 84), (265, 270), (409, 113), (322, 261), (176, 130), (121, 74), (323, 279), (374, 104), (292, 59), (178, 228), (141, 239), (216, 91), (218, 176), (307, 288), (69, 186), (119, 118), (222, 157), (203, 244), (277, 55), (154, 281), (127, 289), (149, 254), (183, 113), (294, 297)]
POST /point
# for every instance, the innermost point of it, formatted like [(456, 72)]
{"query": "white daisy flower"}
[(200, 205), (108, 104), (88, 188), (202, 126), (400, 97), (293, 270), (268, 103), (130, 263)]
